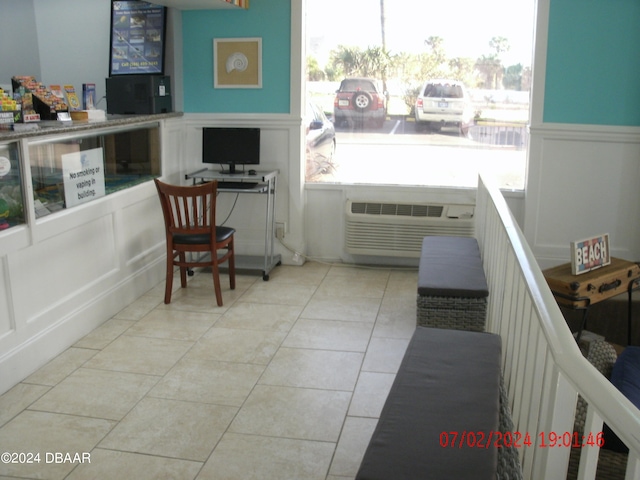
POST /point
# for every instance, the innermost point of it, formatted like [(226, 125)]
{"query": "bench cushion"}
[(451, 267), (449, 381)]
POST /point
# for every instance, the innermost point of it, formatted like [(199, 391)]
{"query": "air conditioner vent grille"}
[(395, 209), (397, 229)]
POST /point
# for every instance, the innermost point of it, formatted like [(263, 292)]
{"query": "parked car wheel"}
[(332, 152), (435, 126), (362, 101)]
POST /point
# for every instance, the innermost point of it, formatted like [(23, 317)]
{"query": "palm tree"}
[(436, 44), (491, 67), (500, 45), (384, 40), (382, 26)]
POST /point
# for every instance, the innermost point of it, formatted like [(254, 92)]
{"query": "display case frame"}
[(73, 169), (12, 199)]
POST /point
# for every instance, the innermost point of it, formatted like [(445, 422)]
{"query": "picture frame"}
[(590, 253), (237, 62)]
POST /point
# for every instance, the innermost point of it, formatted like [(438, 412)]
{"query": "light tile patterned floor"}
[(286, 381)]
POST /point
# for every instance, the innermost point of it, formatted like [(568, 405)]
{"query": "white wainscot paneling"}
[(6, 315), (247, 212), (173, 147), (65, 265), (141, 230), (583, 185), (325, 224)]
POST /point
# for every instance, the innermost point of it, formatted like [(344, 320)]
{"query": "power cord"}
[(232, 208)]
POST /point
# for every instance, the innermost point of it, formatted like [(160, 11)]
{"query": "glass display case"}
[(71, 170), (11, 197)]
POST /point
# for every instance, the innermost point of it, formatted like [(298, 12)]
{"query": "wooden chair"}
[(190, 225)]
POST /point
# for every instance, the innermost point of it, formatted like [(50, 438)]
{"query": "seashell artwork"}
[(237, 61)]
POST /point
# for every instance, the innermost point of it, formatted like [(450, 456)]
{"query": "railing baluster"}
[(543, 369)]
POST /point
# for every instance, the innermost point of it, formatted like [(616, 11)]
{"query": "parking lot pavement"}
[(398, 155)]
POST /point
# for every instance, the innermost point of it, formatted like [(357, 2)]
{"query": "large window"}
[(418, 92)]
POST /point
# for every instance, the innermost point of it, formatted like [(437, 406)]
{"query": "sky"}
[(466, 26)]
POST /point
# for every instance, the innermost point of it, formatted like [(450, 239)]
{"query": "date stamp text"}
[(471, 439)]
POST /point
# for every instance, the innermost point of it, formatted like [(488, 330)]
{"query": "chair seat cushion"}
[(222, 234)]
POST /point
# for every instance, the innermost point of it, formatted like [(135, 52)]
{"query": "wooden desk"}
[(579, 292)]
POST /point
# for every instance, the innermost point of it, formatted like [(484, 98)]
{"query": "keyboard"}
[(236, 185)]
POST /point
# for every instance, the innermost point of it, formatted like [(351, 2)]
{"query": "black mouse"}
[(252, 172)]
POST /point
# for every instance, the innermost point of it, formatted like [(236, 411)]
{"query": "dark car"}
[(360, 100), (320, 142)]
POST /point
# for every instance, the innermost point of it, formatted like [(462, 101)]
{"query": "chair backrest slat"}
[(188, 209)]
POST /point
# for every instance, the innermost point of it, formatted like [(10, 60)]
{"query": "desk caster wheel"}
[(190, 272), (265, 277)]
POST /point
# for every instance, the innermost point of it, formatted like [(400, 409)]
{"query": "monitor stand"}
[(231, 171)]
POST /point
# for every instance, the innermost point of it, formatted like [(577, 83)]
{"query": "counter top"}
[(54, 127)]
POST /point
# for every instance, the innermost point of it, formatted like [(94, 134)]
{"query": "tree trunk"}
[(382, 26), (383, 35)]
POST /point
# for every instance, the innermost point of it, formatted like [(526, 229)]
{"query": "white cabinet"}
[(64, 274)]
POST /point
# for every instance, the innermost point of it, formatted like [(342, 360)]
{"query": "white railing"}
[(543, 368)]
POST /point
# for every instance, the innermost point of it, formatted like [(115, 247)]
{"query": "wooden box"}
[(580, 291)]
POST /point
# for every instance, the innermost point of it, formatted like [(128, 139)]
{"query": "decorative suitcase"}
[(581, 291)]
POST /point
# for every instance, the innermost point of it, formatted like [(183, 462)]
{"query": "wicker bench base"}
[(458, 313), (452, 287)]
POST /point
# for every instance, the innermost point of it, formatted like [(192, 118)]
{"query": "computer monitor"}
[(231, 146)]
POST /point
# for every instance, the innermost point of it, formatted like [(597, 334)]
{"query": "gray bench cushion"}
[(449, 381), (451, 267)]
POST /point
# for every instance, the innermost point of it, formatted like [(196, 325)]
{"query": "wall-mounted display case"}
[(70, 170), (11, 197)]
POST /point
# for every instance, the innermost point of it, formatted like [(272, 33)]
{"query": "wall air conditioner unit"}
[(397, 230)]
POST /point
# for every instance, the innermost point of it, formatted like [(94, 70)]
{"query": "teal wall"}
[(593, 63), (592, 72), (268, 19)]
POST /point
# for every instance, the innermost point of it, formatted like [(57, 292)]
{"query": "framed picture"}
[(590, 253), (237, 63)]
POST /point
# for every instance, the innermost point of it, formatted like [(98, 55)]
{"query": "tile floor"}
[(286, 381)]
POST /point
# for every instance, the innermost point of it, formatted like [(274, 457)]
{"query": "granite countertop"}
[(54, 127)]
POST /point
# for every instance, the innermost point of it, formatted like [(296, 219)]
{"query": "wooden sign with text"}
[(589, 254)]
